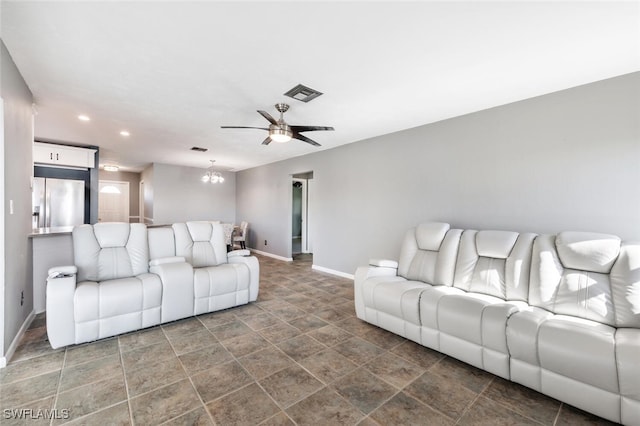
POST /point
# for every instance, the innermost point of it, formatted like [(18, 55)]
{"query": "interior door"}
[(113, 201)]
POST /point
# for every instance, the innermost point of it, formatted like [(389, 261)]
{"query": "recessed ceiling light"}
[(124, 133), (83, 117), (109, 168)]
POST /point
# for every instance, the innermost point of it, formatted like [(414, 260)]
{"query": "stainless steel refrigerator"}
[(57, 202)]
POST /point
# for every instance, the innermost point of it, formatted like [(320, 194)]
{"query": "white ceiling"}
[(171, 73)]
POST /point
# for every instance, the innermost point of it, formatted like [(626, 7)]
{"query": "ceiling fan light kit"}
[(280, 131)]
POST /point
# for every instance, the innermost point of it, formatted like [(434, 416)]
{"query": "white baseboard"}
[(332, 272), (275, 256), (16, 341)]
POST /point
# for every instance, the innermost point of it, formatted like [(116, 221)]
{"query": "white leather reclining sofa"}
[(557, 313), (127, 277)]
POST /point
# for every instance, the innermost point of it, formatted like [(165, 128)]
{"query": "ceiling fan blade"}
[(269, 118), (243, 127), (267, 141), (309, 128), (303, 138)]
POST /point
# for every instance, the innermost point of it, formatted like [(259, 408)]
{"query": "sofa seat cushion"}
[(460, 315), (117, 306), (395, 296), (580, 349), (220, 287)]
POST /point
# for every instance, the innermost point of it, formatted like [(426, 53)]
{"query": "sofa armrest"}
[(254, 272), (62, 271), (176, 276), (235, 253), (384, 263), (365, 272), (61, 288), (165, 260)]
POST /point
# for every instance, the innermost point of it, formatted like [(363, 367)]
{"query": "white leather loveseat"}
[(557, 313), (126, 277)]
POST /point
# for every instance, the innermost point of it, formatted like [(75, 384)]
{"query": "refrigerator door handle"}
[(47, 208)]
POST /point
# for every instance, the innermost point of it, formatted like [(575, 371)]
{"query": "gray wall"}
[(180, 195), (17, 169), (134, 189), (147, 178), (564, 161)]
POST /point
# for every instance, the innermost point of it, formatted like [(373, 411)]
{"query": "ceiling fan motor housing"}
[(280, 132)]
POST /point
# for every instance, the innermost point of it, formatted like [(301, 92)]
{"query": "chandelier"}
[(212, 176)]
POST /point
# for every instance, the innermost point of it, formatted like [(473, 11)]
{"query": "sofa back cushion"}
[(106, 251), (571, 275), (496, 263), (200, 243), (162, 242), (429, 252), (625, 285)]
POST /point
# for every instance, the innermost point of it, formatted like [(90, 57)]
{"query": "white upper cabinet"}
[(61, 155)]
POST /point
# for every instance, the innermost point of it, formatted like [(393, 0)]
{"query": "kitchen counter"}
[(58, 230), (49, 247)]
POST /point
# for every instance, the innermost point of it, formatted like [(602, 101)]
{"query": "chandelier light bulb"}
[(211, 176)]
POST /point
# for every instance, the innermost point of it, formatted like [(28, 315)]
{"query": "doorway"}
[(113, 201), (300, 224)]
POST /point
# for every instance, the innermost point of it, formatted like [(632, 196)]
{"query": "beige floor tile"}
[(265, 362), (358, 350), (89, 372), (324, 407), (290, 385), (525, 401), (261, 321), (182, 327), (164, 403), (186, 343), (198, 417), (245, 344), (486, 412), (405, 410), (204, 359), (307, 323), (301, 347), (328, 365), (470, 377), (116, 415), (31, 367), (230, 330), (139, 339), (571, 416), (448, 397), (330, 335), (143, 356), (420, 355), (249, 406), (364, 390), (280, 332), (18, 393), (215, 319), (156, 374), (220, 380), (395, 370), (91, 351), (91, 398)]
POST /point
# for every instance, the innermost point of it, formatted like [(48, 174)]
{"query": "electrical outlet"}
[(265, 242)]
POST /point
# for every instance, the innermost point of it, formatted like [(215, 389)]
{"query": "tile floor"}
[(296, 356)]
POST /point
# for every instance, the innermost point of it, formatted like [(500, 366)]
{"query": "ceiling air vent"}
[(197, 148), (303, 93)]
